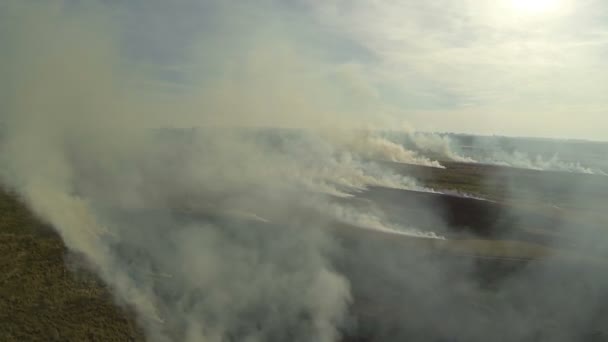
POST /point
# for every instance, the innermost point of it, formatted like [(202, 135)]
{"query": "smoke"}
[(233, 216), (437, 145), (500, 294), (229, 215), (372, 219), (373, 146), (230, 222), (444, 148), (326, 164), (524, 160)]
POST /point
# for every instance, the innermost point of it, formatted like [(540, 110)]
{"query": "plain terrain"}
[(47, 295)]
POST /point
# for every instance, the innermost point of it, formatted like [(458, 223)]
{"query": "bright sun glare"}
[(536, 6)]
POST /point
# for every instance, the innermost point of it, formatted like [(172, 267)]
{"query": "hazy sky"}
[(535, 67), (515, 67)]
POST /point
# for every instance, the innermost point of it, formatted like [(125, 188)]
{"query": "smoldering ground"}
[(217, 234)]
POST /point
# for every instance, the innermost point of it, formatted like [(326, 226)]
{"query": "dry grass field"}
[(46, 296)]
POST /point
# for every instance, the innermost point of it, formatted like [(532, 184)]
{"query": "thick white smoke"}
[(322, 164), (525, 161), (79, 147), (375, 146), (443, 147), (369, 220), (232, 218), (436, 145)]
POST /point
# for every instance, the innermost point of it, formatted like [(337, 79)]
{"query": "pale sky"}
[(512, 67), (535, 67)]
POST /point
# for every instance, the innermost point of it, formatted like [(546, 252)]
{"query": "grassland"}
[(46, 296)]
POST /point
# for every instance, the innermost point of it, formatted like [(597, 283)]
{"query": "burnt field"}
[(491, 200), (515, 242)]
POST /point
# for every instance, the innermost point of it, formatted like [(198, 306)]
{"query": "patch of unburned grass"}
[(40, 298)]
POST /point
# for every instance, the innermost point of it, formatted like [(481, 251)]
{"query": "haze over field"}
[(200, 154)]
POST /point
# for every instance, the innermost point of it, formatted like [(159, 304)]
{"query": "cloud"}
[(482, 66)]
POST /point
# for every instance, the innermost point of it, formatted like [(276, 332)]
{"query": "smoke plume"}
[(222, 231), (228, 219)]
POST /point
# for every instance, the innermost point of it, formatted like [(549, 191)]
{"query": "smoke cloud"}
[(80, 146), (222, 232), (442, 147), (230, 214), (374, 146), (525, 161)]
